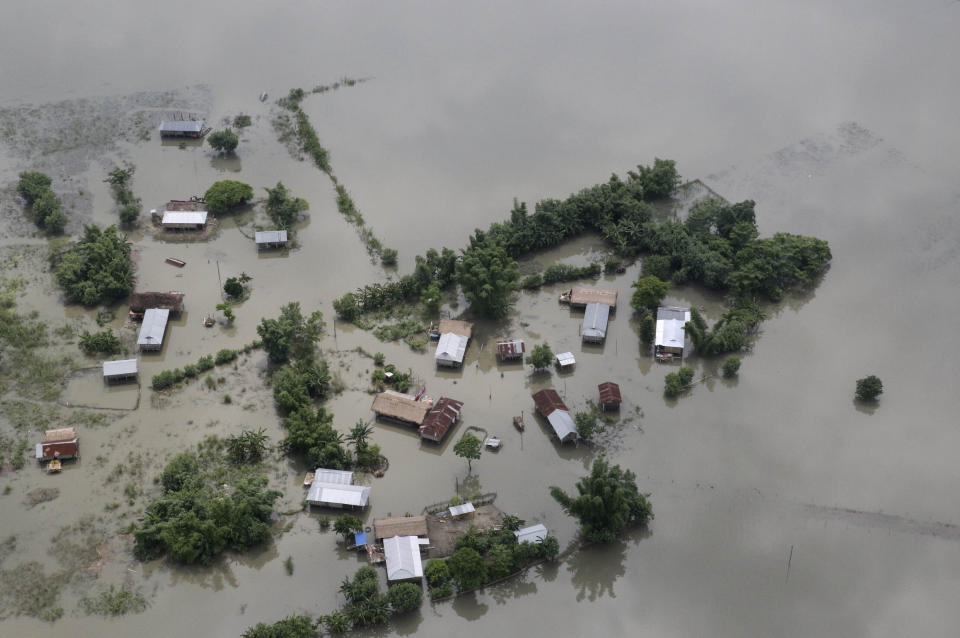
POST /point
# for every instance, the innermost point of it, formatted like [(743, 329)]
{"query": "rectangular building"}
[(120, 371), (580, 297), (152, 329), (451, 348), (552, 408), (178, 220), (595, 319), (140, 302), (440, 418), (270, 239), (532, 534), (181, 128), (403, 558), (338, 495), (399, 407), (511, 350), (399, 526), (671, 330)]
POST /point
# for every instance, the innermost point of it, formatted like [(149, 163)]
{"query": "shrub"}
[(648, 327), (549, 547), (166, 379), (379, 358), (441, 591), (224, 141), (388, 257), (225, 356), (730, 366), (337, 622), (532, 281), (404, 597), (242, 121), (205, 363), (869, 388), (587, 424), (672, 385), (541, 356), (190, 371), (129, 213), (611, 266), (685, 373), (233, 287), (32, 185), (436, 571), (656, 266), (103, 342)]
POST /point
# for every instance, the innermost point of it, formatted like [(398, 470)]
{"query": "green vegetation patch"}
[(96, 268), (114, 602)]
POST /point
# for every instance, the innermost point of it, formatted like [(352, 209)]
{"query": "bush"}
[(242, 121), (190, 371), (541, 356), (441, 591), (388, 257), (167, 379), (685, 374), (587, 424), (346, 307), (532, 281), (47, 213), (337, 622), (869, 388), (32, 185), (549, 547), (657, 266), (103, 342), (225, 356), (233, 287), (129, 213), (404, 597), (224, 141), (289, 627), (96, 268), (227, 194), (730, 366), (611, 266), (436, 571), (648, 327), (205, 363), (671, 385), (379, 358)]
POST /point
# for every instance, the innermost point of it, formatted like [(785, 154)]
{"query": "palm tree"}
[(359, 434)]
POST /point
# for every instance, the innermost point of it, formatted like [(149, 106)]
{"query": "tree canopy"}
[(291, 335), (468, 447), (467, 568), (283, 207), (224, 141), (869, 388), (607, 502), (32, 185), (95, 268), (541, 356), (658, 181), (488, 276), (45, 206), (227, 194), (289, 627), (648, 292)]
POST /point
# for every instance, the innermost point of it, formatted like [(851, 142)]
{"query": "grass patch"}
[(27, 590), (114, 602)]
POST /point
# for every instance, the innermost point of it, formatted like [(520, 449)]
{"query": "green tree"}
[(500, 561), (659, 180), (32, 185), (404, 597), (487, 275), (103, 342), (607, 502), (730, 366), (47, 213), (869, 388), (224, 141), (227, 310), (587, 424), (227, 194), (467, 569), (436, 571), (549, 547), (541, 356), (233, 287), (672, 386), (347, 307), (360, 434), (648, 327), (388, 257), (430, 298), (657, 266), (347, 525), (291, 335), (96, 268), (282, 207), (468, 447), (129, 214), (648, 292), (336, 622), (289, 627), (247, 447)]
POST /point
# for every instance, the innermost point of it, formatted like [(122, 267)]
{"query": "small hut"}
[(182, 128), (465, 510), (266, 239), (399, 526), (532, 534), (120, 371), (511, 350), (565, 361), (670, 336), (184, 220), (610, 395), (554, 410), (61, 443)]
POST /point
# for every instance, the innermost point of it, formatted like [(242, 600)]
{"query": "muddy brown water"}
[(808, 109)]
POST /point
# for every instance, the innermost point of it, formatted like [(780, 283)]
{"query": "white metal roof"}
[(338, 494), (460, 510), (119, 368), (335, 477), (531, 534), (595, 319), (566, 359), (670, 326), (403, 557), (563, 425), (184, 217), (451, 347), (153, 327), (270, 236), (182, 126)]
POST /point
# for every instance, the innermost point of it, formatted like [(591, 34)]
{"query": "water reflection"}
[(595, 569), (229, 163), (516, 587), (469, 608)]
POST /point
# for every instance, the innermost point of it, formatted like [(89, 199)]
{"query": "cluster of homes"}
[(180, 215)]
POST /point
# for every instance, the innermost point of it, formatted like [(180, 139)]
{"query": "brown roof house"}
[(399, 407), (62, 443), (440, 418), (552, 408), (610, 398)]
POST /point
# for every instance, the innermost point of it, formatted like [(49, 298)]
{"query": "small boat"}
[(209, 321), (493, 443), (518, 422), (54, 466), (308, 479), (179, 263), (263, 96), (566, 296)]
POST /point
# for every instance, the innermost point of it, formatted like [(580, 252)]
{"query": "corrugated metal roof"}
[(120, 368), (153, 327), (670, 327), (565, 359), (460, 510), (270, 236), (451, 348), (338, 494), (181, 126), (400, 406), (532, 534), (563, 425), (595, 319), (184, 217), (441, 416), (333, 477), (547, 401), (403, 558), (609, 392), (511, 348)]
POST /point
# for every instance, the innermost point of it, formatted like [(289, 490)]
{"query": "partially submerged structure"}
[(670, 333), (120, 371), (152, 329), (452, 345), (184, 220), (270, 239), (610, 398), (403, 557), (399, 407), (399, 526), (580, 297), (565, 361), (140, 302), (440, 418), (511, 350), (552, 408), (595, 318), (464, 510), (532, 534), (182, 128), (335, 488), (61, 443)]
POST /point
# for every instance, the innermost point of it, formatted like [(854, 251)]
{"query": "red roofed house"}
[(551, 406), (440, 418), (511, 350), (610, 395)]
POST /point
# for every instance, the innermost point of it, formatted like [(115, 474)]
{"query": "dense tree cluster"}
[(227, 194), (283, 207), (289, 627), (224, 141), (45, 206), (119, 180), (731, 333), (207, 507), (607, 502), (103, 342), (487, 275), (95, 268), (869, 388), (291, 335)]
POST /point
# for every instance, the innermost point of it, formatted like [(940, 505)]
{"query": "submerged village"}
[(452, 313)]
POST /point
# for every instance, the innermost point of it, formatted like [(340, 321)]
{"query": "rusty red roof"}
[(511, 348), (609, 392), (548, 401), (441, 416)]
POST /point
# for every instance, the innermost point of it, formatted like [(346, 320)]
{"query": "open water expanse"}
[(838, 119)]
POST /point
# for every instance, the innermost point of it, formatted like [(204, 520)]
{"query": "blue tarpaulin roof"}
[(360, 538)]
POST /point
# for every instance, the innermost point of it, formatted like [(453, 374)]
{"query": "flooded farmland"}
[(783, 507)]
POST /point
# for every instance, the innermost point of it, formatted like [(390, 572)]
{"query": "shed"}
[(399, 407), (61, 443), (334, 477), (583, 296), (457, 327), (403, 558), (462, 511), (565, 360), (338, 494), (152, 329), (610, 395), (120, 371), (551, 406), (444, 413), (399, 526), (671, 330), (511, 350), (532, 534), (140, 302), (547, 400), (270, 238), (181, 128), (451, 349), (595, 320), (184, 219)]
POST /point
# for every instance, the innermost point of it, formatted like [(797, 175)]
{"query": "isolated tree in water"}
[(541, 356), (869, 388), (224, 141), (468, 447)]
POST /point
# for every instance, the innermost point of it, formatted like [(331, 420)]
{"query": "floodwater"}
[(782, 507)]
